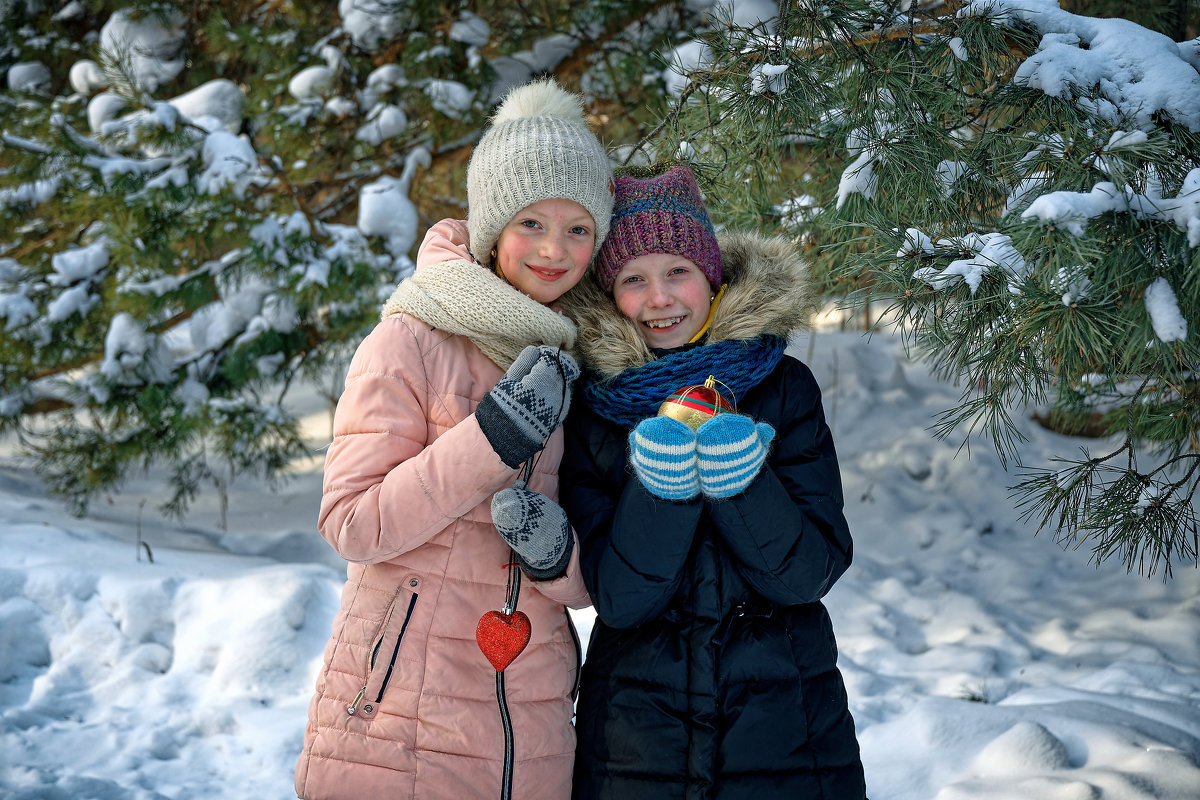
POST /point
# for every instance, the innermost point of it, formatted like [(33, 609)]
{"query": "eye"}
[(530, 223), (581, 230), (632, 279), (679, 271)]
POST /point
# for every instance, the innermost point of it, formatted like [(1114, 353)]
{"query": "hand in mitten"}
[(527, 405), (663, 453), (536, 528), (730, 450)]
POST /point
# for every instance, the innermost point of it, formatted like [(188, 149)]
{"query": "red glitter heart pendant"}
[(502, 636)]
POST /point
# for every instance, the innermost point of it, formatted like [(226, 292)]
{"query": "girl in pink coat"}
[(453, 663)]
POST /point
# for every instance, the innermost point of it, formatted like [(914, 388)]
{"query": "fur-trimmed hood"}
[(768, 292)]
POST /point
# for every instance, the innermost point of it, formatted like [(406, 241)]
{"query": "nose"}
[(553, 247), (657, 295)]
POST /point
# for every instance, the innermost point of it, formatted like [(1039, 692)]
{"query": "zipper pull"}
[(350, 709)]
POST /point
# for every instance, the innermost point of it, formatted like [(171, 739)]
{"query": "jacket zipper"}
[(412, 602), (355, 705), (506, 780)]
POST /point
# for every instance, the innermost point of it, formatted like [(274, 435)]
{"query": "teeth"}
[(664, 323)]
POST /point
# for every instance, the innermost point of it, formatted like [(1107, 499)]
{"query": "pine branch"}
[(859, 41), (24, 250), (95, 356), (669, 121), (572, 68), (1082, 511)]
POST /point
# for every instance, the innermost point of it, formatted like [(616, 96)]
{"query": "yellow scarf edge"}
[(712, 312)]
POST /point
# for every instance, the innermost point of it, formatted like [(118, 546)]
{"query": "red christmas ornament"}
[(502, 636), (696, 405)]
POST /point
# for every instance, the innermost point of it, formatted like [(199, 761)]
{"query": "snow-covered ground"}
[(983, 663)]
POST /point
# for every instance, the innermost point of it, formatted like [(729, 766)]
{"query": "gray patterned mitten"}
[(525, 406), (536, 528)]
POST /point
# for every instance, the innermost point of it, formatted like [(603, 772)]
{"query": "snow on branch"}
[(1071, 210), (1163, 307), (1137, 71), (985, 252)]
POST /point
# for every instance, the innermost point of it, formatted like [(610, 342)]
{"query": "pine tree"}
[(204, 203), (1020, 187)]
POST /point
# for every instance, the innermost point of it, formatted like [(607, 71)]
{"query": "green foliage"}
[(900, 147), (165, 278)]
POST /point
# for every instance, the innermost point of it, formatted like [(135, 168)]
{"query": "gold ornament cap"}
[(696, 405)]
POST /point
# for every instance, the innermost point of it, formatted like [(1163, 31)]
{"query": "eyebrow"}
[(582, 219)]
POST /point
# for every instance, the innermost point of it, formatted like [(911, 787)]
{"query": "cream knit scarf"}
[(468, 300)]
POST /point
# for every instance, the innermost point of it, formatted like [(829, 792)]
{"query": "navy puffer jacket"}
[(711, 672)]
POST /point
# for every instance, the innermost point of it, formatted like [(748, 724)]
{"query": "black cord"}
[(512, 591)]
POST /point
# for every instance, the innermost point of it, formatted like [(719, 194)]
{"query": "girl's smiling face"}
[(666, 296), (545, 248)]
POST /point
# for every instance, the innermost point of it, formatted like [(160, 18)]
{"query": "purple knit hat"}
[(663, 214)]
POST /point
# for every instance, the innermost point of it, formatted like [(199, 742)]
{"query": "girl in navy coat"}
[(711, 671)]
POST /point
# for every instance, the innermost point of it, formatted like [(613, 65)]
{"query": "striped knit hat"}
[(538, 147), (662, 214)]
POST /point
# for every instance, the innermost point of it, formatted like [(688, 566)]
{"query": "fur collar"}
[(768, 293)]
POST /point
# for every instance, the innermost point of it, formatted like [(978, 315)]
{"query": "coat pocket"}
[(385, 649)]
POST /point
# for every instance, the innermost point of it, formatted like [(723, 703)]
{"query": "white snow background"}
[(983, 662)]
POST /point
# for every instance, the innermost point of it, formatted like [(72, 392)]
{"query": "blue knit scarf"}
[(636, 394)]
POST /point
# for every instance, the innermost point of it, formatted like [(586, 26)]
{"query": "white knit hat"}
[(538, 147)]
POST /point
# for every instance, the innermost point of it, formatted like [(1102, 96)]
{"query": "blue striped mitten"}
[(663, 453), (730, 450)]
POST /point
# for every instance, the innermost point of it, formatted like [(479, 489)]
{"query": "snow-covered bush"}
[(201, 204)]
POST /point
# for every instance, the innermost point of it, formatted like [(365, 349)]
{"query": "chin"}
[(668, 342)]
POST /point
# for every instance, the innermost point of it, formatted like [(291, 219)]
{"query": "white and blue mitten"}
[(527, 405), (536, 528), (730, 451), (663, 453)]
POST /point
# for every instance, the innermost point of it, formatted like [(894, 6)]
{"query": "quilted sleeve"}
[(387, 489)]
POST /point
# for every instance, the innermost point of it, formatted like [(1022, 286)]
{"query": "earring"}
[(495, 260)]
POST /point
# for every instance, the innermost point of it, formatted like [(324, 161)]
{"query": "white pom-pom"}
[(542, 98)]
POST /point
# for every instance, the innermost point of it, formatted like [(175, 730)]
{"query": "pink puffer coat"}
[(409, 479)]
